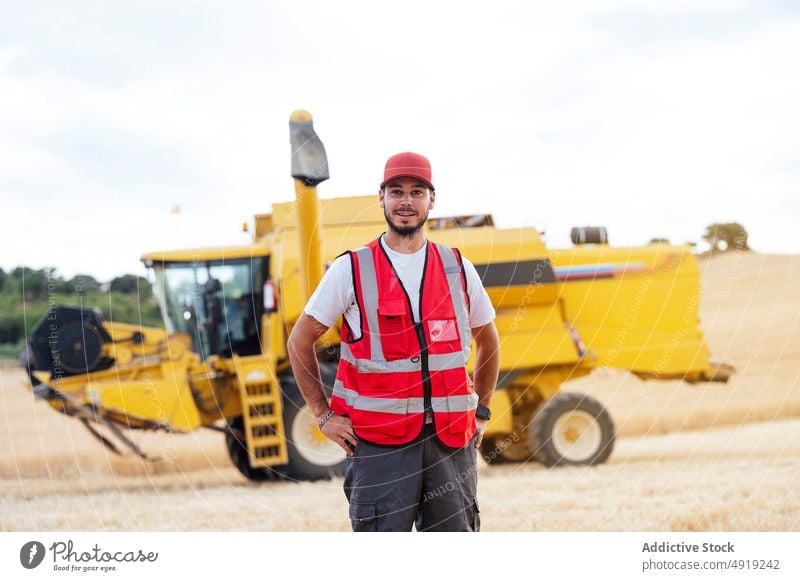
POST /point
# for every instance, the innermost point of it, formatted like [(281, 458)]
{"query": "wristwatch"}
[(483, 413)]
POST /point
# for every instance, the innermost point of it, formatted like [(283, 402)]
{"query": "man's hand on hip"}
[(340, 430), (480, 429)]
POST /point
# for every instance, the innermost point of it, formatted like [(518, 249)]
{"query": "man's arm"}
[(305, 367), (487, 368)]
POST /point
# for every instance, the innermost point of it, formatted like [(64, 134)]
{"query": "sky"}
[(653, 119)]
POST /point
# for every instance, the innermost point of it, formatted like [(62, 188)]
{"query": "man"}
[(403, 406)]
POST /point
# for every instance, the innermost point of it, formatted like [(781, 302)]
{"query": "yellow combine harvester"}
[(222, 362)]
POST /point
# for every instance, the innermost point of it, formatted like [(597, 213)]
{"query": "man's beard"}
[(405, 231)]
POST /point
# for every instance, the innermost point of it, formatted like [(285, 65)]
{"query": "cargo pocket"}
[(393, 323), (363, 517), (476, 515)]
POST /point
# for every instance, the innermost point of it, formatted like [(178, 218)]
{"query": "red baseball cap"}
[(408, 165)]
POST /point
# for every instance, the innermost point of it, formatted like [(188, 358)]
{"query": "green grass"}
[(10, 351)]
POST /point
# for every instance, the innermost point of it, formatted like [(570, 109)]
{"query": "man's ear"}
[(433, 199), (380, 197)]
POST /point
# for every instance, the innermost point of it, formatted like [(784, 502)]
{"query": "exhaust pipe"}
[(309, 168)]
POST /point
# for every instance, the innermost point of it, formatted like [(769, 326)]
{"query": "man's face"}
[(406, 203)]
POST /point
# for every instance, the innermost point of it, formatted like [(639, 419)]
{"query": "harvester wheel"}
[(571, 429), (237, 450), (312, 456)]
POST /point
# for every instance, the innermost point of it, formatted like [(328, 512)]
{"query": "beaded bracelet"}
[(325, 418)]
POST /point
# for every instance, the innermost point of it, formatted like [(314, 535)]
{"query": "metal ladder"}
[(262, 410)]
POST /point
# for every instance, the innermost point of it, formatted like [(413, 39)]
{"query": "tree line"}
[(27, 293)]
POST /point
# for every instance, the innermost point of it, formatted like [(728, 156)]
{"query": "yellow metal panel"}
[(286, 267), (526, 350), (263, 225), (166, 401), (215, 253), (644, 318), (489, 245), (347, 211), (534, 337), (502, 420), (520, 297), (533, 318)]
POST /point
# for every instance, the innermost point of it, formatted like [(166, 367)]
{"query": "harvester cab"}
[(215, 298), (221, 361)]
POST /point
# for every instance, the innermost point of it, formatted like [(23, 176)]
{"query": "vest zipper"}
[(419, 328), (426, 374), (423, 343)]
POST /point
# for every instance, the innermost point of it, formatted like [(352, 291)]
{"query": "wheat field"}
[(688, 458)]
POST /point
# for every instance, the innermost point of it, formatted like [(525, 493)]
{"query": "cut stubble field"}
[(708, 457)]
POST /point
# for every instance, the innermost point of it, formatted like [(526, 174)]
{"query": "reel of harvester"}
[(70, 343)]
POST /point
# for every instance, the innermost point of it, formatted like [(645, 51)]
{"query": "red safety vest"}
[(398, 369)]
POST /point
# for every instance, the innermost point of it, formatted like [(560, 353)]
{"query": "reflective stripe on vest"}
[(369, 291), (452, 270), (402, 405), (438, 362)]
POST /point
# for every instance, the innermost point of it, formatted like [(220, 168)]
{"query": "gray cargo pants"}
[(422, 483)]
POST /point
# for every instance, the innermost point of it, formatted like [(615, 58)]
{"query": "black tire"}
[(311, 455), (237, 451), (571, 429)]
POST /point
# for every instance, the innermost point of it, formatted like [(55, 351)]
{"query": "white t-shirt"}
[(335, 294)]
